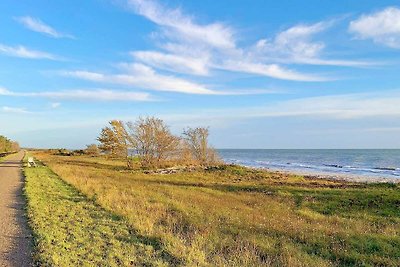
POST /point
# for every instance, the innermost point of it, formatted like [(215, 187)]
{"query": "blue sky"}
[(265, 74)]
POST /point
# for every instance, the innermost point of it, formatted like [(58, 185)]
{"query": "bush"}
[(92, 150), (6, 145)]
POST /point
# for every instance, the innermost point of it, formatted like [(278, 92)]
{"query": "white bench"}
[(31, 162)]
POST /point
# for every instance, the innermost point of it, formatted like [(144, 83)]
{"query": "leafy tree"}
[(114, 140), (92, 150), (108, 141), (6, 145), (15, 146)]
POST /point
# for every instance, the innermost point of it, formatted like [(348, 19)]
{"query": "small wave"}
[(262, 162), (350, 167), (333, 165), (333, 168), (302, 165), (385, 168)]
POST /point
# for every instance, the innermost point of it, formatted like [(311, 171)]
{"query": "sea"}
[(360, 164)]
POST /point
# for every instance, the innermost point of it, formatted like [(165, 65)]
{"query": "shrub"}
[(92, 150)]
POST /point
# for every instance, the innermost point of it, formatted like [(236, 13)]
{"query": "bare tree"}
[(197, 140), (152, 140)]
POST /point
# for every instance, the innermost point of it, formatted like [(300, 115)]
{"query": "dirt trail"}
[(15, 238)]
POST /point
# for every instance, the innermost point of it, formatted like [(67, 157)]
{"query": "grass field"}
[(99, 213)]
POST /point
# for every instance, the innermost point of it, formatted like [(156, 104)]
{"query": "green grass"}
[(228, 216), (71, 230)]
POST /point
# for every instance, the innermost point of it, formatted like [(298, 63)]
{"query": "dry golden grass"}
[(238, 217)]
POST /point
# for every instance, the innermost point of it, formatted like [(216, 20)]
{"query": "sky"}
[(260, 74)]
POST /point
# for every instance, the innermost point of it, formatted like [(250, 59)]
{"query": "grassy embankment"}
[(100, 213)]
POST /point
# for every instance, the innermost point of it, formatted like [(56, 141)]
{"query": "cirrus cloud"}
[(18, 110), (37, 25), (142, 76), (24, 52), (189, 47), (177, 25), (87, 95), (296, 45), (177, 63)]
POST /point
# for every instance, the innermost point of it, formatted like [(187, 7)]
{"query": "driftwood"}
[(179, 169)]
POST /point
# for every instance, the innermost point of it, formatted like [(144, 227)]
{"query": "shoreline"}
[(374, 166), (326, 176)]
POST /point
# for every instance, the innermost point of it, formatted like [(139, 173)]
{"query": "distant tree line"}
[(7, 145), (150, 140)]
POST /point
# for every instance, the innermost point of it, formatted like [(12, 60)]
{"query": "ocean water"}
[(367, 163)]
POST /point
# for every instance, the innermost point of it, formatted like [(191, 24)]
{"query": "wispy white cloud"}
[(201, 66), (144, 77), (97, 95), (55, 105), (296, 45), (248, 91), (270, 70), (173, 62), (296, 41), (383, 27), (87, 95), (188, 63), (4, 91), (191, 47), (194, 48), (141, 76), (14, 110), (24, 52), (180, 26), (37, 25)]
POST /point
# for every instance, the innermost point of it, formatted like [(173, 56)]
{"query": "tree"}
[(107, 141), (3, 143), (15, 146), (6, 145), (152, 140), (114, 140), (197, 141), (92, 150), (154, 143)]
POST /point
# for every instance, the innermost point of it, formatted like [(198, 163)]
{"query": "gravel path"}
[(15, 238)]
